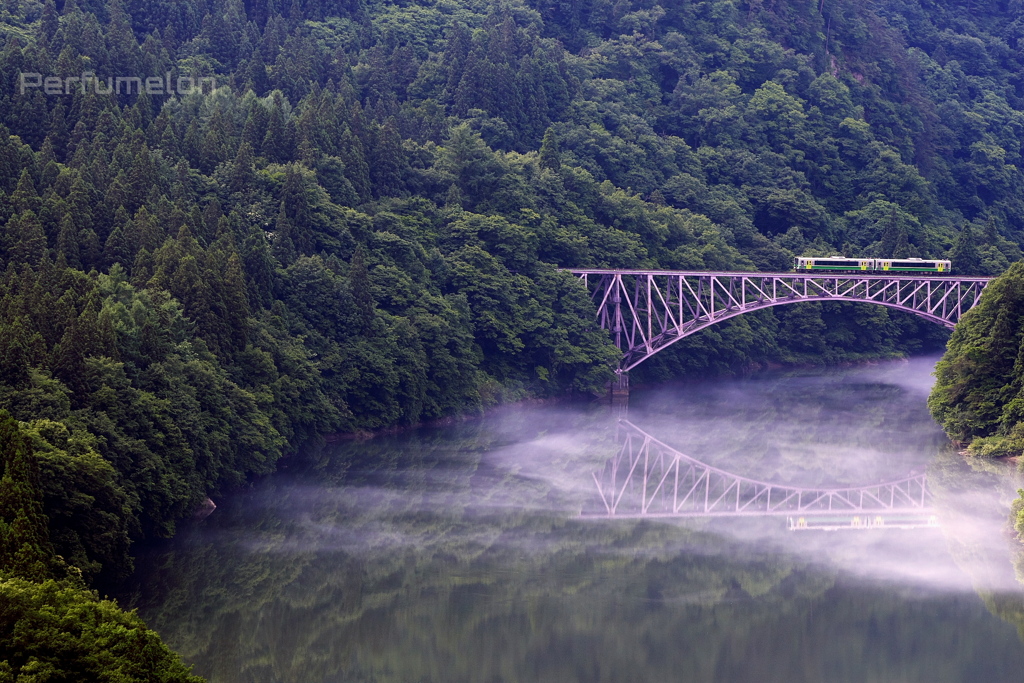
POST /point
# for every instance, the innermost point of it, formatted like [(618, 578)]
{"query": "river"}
[(459, 553)]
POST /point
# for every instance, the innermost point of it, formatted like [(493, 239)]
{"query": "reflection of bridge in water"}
[(649, 479)]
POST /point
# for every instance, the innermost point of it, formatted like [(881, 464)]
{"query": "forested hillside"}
[(361, 225), (979, 395)]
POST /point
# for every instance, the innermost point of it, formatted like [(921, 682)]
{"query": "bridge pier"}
[(618, 388)]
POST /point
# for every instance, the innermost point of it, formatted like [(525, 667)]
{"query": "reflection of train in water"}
[(923, 520), (840, 264)]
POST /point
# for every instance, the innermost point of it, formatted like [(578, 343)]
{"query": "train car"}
[(841, 264), (912, 265), (833, 264)]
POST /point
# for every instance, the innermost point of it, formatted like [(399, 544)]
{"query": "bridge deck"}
[(746, 273)]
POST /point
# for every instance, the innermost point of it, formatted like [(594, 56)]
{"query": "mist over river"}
[(459, 553)]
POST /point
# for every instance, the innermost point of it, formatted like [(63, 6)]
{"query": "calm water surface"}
[(459, 553)]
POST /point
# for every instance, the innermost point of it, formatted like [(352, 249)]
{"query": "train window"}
[(913, 264)]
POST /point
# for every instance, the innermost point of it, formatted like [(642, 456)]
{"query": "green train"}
[(840, 264)]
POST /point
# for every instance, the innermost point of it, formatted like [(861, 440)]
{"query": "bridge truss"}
[(650, 479), (648, 310)]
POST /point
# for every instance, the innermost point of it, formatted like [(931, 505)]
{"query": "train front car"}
[(915, 266), (833, 264)]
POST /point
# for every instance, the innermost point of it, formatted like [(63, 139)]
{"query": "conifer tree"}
[(277, 143), (146, 225), (48, 160), (14, 354), (550, 157), (894, 238), (25, 239), (242, 171), (362, 293), (81, 202), (9, 166), (456, 50), (389, 161), (284, 244), (902, 247), (964, 256), (25, 197), (49, 24), (67, 242), (25, 549), (90, 249), (117, 249), (236, 304), (58, 132)]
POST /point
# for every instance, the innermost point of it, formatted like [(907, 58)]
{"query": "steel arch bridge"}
[(648, 310), (648, 479)]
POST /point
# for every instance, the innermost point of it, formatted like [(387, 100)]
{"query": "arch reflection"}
[(650, 479)]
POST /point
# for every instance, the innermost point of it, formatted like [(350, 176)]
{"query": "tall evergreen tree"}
[(25, 548), (362, 293), (550, 156), (964, 256)]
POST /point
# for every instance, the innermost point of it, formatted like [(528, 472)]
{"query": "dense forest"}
[(335, 216)]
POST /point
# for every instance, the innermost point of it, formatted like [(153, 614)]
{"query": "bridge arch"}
[(665, 343), (647, 311)]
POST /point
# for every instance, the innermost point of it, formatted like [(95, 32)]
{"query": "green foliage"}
[(978, 392), (89, 513), (1017, 514), (964, 254), (56, 631), (25, 548)]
